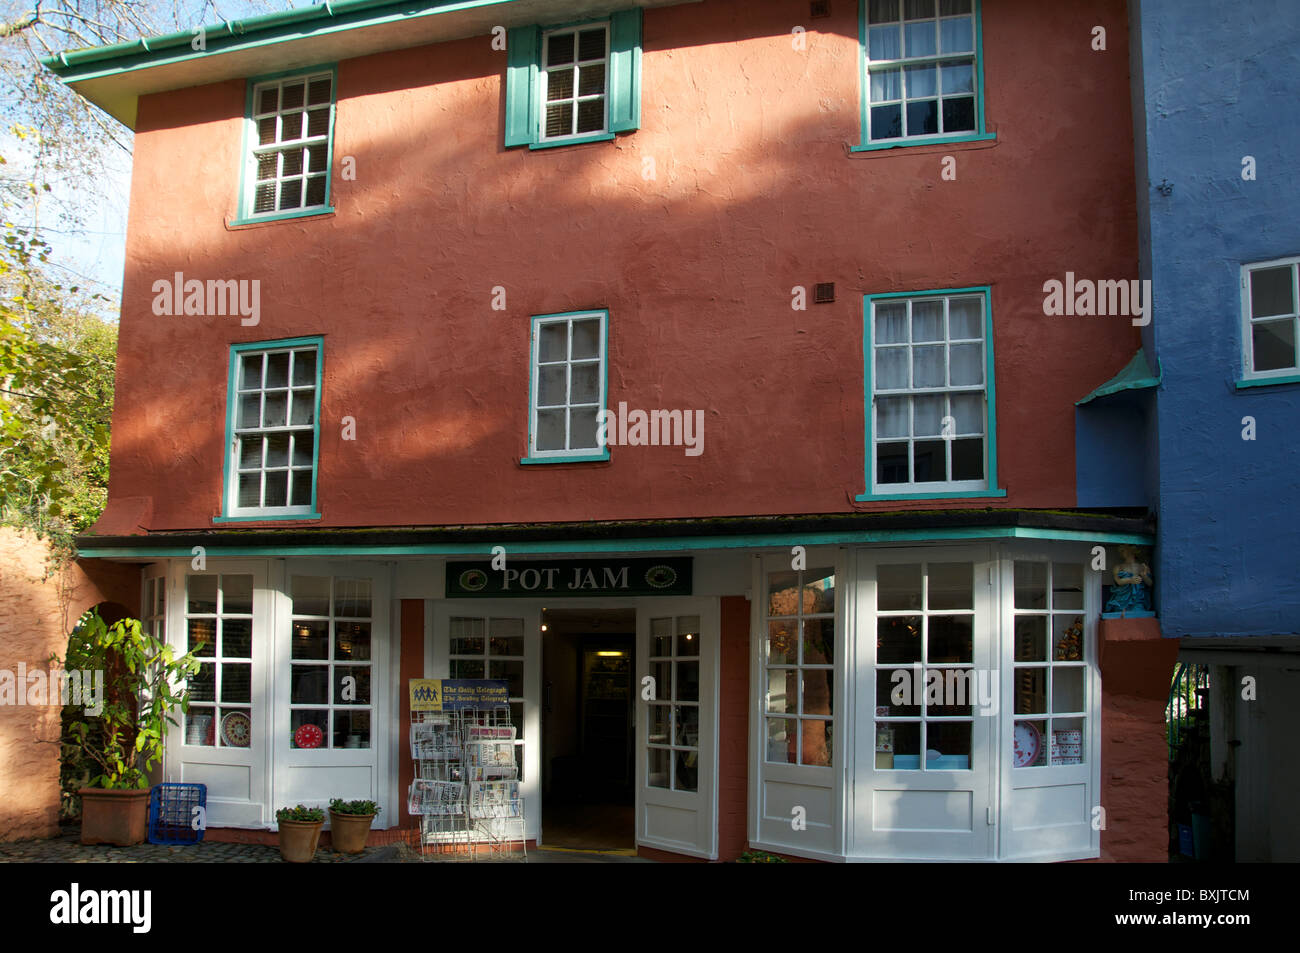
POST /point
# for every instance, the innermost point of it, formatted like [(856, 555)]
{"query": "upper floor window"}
[(922, 72), (567, 388), (929, 371), (574, 84), (1270, 320), (287, 165), (274, 427)]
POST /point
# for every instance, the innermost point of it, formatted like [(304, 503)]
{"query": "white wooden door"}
[(498, 639), (928, 702), (677, 648), (332, 714), (224, 740)]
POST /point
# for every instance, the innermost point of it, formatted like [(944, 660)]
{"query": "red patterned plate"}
[(1027, 742), (308, 736)]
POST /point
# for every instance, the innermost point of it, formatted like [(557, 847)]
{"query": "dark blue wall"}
[(1219, 82)]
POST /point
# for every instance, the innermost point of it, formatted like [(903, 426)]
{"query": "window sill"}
[(954, 495), (263, 519), (1267, 381), (588, 458), (578, 141), (280, 217), (927, 141)]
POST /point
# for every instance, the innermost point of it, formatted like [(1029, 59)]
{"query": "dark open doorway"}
[(588, 667)]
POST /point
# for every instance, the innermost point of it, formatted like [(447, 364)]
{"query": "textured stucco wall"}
[(1218, 89), (754, 194), (36, 614)]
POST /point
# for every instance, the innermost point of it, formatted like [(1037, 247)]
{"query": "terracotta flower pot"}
[(119, 817), (298, 840), (348, 832)]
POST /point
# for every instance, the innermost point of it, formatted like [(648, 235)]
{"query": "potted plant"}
[(350, 824), (122, 721), (299, 832)]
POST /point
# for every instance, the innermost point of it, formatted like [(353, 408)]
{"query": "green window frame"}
[(262, 407), (922, 73), (534, 67), (916, 344), (288, 152)]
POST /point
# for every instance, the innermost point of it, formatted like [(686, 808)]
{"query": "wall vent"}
[(824, 292)]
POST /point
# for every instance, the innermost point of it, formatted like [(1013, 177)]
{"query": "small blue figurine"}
[(1131, 592)]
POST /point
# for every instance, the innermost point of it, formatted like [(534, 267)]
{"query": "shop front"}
[(855, 698)]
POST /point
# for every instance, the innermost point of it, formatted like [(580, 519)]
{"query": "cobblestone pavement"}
[(68, 849)]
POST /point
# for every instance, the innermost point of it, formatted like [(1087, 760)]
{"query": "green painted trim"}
[(968, 495), (250, 33), (576, 141), (990, 399), (602, 401), (232, 389), (1267, 381), (981, 133), (927, 141), (246, 164), (523, 52), (306, 517), (695, 543), (625, 71), (529, 461), (1119, 383), (281, 216)]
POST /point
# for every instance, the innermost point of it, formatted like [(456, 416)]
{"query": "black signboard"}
[(570, 577)]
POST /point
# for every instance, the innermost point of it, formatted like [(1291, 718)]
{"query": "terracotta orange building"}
[(491, 339)]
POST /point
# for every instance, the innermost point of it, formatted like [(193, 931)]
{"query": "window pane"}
[(318, 91), (929, 461), (927, 415), (783, 690), (586, 384), (311, 640), (891, 416), (817, 745), (559, 119), (782, 741), (1031, 638), (967, 413), (236, 683), (956, 36), (309, 684), (251, 371), (274, 409), (782, 642), (881, 11), (250, 411), (819, 590), (352, 685), (467, 636), (237, 638), (550, 430), (951, 692), (968, 459), (553, 342), (891, 368), (1067, 586), (927, 321), (957, 78), (202, 594), (922, 81), (352, 729), (1031, 691), (250, 489), (1031, 585), (559, 84), (923, 118), (352, 640), (559, 49), (277, 450), (310, 594), (552, 384), (818, 692), (915, 9), (1271, 292), (919, 38), (959, 114), (951, 638), (886, 85), (898, 587), (1274, 345), (268, 99), (898, 746), (884, 43), (1067, 689), (927, 366), (591, 115), (591, 81), (886, 122), (895, 690), (591, 44), (891, 324), (898, 639), (203, 683), (657, 770), (352, 597), (952, 586), (819, 641), (892, 463), (966, 364), (582, 428), (303, 408), (948, 746)]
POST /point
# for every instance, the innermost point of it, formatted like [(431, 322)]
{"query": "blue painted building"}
[(1215, 402)]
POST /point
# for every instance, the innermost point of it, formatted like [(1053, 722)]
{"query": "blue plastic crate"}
[(172, 816)]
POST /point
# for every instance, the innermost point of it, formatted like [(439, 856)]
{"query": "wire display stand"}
[(466, 788)]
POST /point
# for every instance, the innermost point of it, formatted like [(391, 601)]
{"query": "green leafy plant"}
[(360, 808), (141, 679), (303, 813), (760, 857)]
